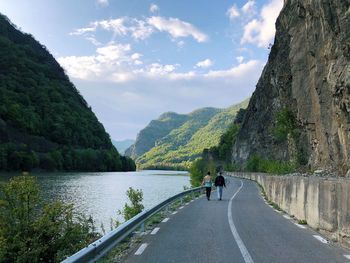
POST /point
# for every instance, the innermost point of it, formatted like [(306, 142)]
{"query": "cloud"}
[(235, 72), (103, 2), (204, 63), (123, 26), (141, 29), (112, 62), (153, 8), (177, 28), (240, 59), (233, 12), (249, 7), (261, 31)]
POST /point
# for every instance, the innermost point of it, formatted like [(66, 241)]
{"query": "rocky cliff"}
[(304, 90)]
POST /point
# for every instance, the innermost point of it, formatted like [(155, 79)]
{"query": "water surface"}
[(101, 195)]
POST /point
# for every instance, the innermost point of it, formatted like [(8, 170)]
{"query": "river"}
[(101, 195)]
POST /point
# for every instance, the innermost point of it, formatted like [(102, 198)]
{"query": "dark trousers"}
[(208, 191)]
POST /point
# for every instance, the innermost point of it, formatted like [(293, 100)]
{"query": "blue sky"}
[(133, 60)]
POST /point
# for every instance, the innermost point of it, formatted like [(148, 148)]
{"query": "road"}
[(241, 228)]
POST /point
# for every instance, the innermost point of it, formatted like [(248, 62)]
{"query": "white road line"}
[(347, 256), (300, 226), (181, 207), (321, 239), (286, 216), (246, 256), (165, 220), (174, 213), (141, 249), (155, 230)]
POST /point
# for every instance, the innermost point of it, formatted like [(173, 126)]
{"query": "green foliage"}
[(185, 143), (136, 206), (285, 124), (31, 231), (302, 222), (258, 164), (44, 121), (199, 169)]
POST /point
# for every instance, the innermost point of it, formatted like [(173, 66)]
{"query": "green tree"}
[(31, 231)]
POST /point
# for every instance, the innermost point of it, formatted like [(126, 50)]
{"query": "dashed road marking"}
[(174, 213), (181, 207), (321, 239), (347, 256), (246, 256), (165, 220), (141, 249), (155, 230), (300, 226)]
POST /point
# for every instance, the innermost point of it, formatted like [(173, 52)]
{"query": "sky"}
[(134, 60)]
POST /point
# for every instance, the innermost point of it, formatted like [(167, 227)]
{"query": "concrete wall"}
[(323, 202)]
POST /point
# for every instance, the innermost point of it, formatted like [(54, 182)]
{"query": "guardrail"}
[(102, 246)]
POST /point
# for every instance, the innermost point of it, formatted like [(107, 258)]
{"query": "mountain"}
[(122, 145), (45, 124), (181, 138), (300, 110)]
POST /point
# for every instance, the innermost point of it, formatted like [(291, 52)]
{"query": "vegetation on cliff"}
[(44, 122)]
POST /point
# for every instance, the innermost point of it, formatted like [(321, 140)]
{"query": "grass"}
[(302, 222)]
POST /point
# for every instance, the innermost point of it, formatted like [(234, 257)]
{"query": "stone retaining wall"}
[(323, 202)]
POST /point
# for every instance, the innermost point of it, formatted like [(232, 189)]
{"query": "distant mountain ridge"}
[(121, 146), (45, 124), (175, 140)]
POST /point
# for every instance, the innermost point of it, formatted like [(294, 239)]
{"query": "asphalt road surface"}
[(240, 228)]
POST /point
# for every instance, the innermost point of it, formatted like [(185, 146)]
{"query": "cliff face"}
[(308, 74)]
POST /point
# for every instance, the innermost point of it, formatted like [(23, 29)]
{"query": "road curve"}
[(240, 228)]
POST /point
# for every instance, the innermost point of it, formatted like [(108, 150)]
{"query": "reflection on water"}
[(103, 194)]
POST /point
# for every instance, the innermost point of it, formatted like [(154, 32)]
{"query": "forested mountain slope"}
[(184, 137), (44, 122)]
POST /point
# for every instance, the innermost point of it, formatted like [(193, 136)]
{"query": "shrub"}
[(136, 207), (31, 231)]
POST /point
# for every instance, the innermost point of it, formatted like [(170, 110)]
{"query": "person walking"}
[(207, 183), (219, 184)]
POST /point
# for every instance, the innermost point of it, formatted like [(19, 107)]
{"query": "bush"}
[(286, 124), (136, 207), (31, 231), (258, 164)]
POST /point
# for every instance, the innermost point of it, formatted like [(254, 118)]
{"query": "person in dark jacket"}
[(219, 183)]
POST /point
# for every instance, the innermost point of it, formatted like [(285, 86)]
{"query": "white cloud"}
[(153, 8), (240, 59), (235, 72), (111, 62), (103, 2), (233, 12), (123, 26), (141, 29), (204, 63), (261, 31), (249, 7), (177, 28), (136, 56)]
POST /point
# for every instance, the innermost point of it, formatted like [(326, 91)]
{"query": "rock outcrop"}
[(308, 74)]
